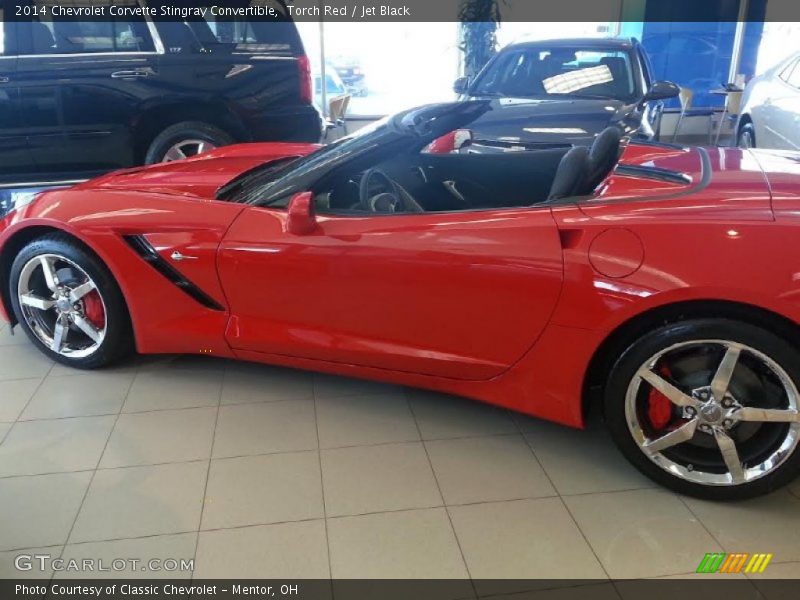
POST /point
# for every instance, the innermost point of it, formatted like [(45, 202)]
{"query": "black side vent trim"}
[(143, 248)]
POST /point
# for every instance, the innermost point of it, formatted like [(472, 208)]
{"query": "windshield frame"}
[(265, 185)]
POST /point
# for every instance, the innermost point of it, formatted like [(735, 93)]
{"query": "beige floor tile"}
[(581, 462), (282, 551), (4, 429), (487, 469), (767, 524), (61, 445), (417, 544), (794, 487), (17, 339), (169, 388), (137, 555), (39, 511), (251, 382), (246, 429), (128, 367), (23, 362), (30, 563), (365, 419), (522, 539), (142, 501), (441, 416), (643, 533), (162, 436), (14, 396), (331, 386), (257, 490), (378, 478), (79, 396)]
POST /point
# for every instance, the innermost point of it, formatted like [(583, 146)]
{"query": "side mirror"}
[(662, 90), (461, 85), (302, 218)]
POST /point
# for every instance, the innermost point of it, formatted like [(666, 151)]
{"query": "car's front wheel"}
[(68, 303), (709, 408)]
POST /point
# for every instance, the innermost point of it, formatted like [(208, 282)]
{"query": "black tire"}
[(642, 350), (118, 341), (184, 132), (746, 132)]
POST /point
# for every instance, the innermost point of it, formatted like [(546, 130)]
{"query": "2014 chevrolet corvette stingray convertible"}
[(657, 283)]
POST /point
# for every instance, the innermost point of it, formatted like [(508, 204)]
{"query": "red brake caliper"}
[(659, 408), (93, 309)]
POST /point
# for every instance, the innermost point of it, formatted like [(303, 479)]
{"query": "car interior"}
[(416, 182)]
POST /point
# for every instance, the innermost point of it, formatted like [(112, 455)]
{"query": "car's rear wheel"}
[(185, 140), (68, 304), (709, 408), (747, 136)]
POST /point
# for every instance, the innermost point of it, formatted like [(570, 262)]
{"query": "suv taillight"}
[(304, 68)]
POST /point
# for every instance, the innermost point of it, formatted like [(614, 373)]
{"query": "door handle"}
[(4, 79), (133, 74), (178, 257)]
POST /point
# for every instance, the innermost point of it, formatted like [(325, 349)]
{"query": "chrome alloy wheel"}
[(187, 149), (731, 412), (62, 306)]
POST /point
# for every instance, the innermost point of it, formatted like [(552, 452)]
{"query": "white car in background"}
[(770, 115)]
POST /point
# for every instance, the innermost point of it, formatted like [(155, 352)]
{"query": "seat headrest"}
[(603, 155), (572, 174)]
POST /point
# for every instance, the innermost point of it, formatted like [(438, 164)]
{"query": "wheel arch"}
[(620, 338), (19, 239), (156, 119)]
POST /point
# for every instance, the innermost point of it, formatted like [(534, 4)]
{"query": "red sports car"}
[(659, 282)]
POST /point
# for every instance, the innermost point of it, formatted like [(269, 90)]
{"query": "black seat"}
[(603, 156), (572, 175)]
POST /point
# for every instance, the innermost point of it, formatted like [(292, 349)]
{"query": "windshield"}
[(534, 71), (273, 181)]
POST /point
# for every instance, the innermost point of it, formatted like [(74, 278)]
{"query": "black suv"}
[(78, 98)]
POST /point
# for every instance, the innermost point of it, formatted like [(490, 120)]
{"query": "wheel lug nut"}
[(727, 423)]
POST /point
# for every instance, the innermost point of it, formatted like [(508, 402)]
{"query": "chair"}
[(686, 96), (337, 110), (733, 105)]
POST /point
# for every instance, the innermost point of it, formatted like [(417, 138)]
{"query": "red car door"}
[(460, 295)]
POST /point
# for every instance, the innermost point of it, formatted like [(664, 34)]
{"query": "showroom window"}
[(407, 64), (47, 36)]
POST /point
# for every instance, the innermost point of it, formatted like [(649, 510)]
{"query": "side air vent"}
[(143, 248)]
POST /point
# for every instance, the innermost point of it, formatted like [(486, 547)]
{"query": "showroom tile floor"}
[(256, 471)]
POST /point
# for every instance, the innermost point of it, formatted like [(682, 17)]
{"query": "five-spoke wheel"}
[(708, 414), (66, 301), (62, 305)]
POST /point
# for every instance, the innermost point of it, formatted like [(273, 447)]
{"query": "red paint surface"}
[(505, 306)]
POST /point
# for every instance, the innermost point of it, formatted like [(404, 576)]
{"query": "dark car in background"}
[(79, 98), (564, 92)]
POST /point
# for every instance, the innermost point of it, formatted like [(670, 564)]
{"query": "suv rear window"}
[(235, 34), (46, 36)]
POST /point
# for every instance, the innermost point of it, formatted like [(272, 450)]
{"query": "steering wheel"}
[(377, 193)]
